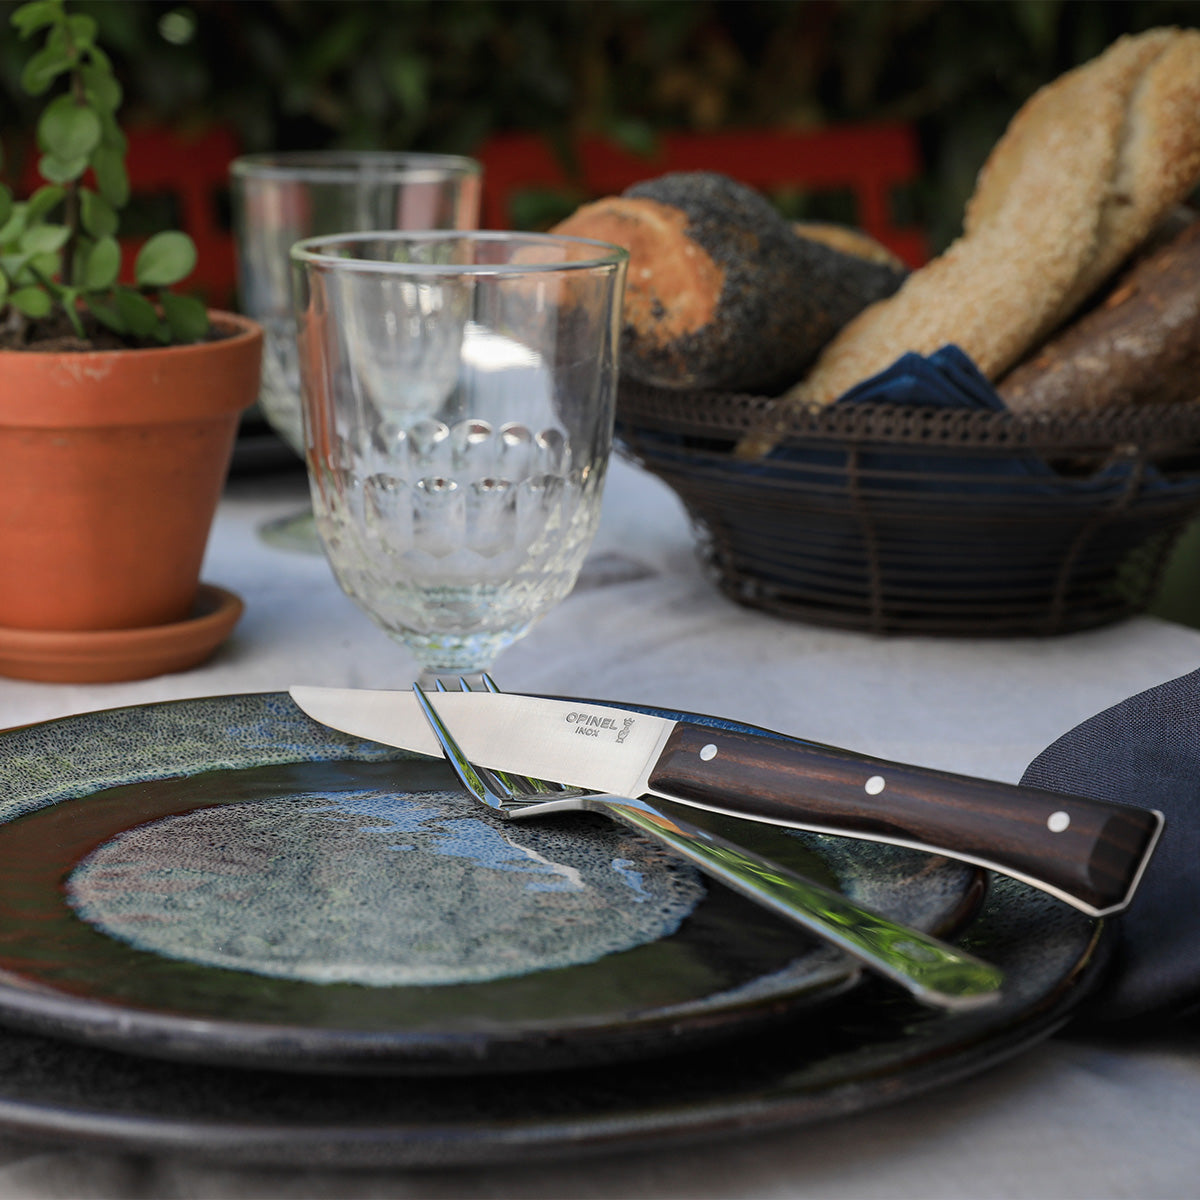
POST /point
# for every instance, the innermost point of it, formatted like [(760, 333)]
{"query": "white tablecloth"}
[(1071, 1118)]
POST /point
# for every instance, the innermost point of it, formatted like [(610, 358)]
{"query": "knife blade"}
[(1089, 853)]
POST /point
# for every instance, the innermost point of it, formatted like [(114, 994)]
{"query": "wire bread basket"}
[(915, 519)]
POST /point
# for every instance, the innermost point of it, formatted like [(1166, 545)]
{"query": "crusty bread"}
[(1136, 148), (1141, 344), (1085, 170), (721, 291), (849, 240)]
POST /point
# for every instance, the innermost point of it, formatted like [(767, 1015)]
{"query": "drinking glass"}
[(459, 392), (279, 199)]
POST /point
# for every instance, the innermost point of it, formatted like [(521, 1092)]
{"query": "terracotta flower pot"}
[(111, 467)]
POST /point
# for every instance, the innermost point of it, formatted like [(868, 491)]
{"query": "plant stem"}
[(71, 205)]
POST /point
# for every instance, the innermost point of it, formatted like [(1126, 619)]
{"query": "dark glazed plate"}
[(226, 882), (871, 1048)]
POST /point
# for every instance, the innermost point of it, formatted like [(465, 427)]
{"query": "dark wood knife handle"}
[(1089, 852)]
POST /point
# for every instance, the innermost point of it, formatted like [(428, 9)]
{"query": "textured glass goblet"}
[(280, 199), (459, 392)]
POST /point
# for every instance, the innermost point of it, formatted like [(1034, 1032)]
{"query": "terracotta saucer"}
[(113, 655)]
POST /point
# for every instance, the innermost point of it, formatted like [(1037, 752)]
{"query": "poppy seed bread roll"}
[(722, 293)]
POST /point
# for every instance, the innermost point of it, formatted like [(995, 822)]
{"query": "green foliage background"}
[(442, 74)]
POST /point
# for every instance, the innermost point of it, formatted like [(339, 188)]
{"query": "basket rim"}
[(729, 416)]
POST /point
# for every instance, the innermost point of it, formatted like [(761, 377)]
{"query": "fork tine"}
[(476, 780), (499, 790)]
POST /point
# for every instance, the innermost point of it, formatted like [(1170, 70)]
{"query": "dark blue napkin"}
[(948, 378), (1145, 751)]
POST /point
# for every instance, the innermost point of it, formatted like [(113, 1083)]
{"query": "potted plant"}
[(119, 403)]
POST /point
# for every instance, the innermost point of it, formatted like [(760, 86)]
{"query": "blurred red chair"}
[(194, 172), (869, 161), (190, 174)]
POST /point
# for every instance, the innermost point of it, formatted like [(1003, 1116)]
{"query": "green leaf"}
[(342, 40), (102, 89), (407, 78), (136, 311), (83, 30), (47, 264), (68, 300), (106, 314), (59, 41), (29, 18), (112, 136), (98, 216), (165, 259), (15, 225), (3, 288), (62, 170), (102, 265), (186, 317), (100, 59), (6, 205), (31, 301), (111, 178), (14, 268), (43, 201), (43, 69), (68, 130), (44, 239)]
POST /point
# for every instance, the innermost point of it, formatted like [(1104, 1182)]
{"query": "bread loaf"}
[(849, 241), (1140, 344), (721, 292), (1085, 170)]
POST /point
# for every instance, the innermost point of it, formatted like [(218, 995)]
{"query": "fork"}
[(932, 971)]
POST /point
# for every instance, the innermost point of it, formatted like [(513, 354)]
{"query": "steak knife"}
[(1089, 853)]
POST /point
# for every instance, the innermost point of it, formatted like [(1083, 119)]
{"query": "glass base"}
[(296, 532), (450, 659)]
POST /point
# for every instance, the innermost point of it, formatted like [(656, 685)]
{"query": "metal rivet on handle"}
[(1056, 822), (874, 785), (709, 751)]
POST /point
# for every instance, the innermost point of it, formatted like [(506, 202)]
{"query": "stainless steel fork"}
[(933, 971)]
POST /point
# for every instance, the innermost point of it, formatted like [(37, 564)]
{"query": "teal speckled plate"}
[(225, 881)]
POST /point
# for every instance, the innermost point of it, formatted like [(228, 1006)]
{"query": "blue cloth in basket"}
[(945, 379), (949, 379)]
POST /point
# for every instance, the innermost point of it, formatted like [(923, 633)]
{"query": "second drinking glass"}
[(281, 198)]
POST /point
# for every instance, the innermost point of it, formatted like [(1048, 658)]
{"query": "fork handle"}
[(933, 971)]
